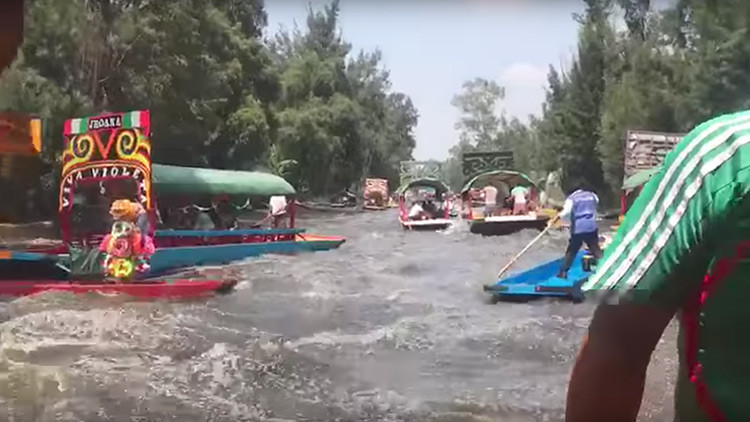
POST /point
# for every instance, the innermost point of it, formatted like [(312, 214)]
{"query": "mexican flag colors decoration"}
[(129, 120)]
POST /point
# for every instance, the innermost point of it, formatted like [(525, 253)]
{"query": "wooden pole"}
[(523, 251)]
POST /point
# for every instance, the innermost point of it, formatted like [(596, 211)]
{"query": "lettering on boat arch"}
[(476, 163), (105, 147), (411, 170)]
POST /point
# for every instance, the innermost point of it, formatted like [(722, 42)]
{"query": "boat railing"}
[(186, 238), (230, 233)]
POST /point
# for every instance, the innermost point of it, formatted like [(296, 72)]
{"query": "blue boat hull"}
[(542, 280), (169, 259)]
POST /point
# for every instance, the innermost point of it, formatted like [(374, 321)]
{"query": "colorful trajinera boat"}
[(422, 190), (376, 194), (425, 192), (109, 157), (504, 222), (116, 259)]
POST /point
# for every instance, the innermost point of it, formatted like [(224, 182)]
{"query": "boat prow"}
[(429, 224), (542, 280)]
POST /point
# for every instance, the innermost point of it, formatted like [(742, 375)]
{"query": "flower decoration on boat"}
[(127, 249)]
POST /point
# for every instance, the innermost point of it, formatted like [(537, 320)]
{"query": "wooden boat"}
[(542, 280), (505, 223), (113, 152), (417, 189), (376, 194), (29, 273)]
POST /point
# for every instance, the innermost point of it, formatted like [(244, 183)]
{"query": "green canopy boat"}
[(504, 181), (439, 190)]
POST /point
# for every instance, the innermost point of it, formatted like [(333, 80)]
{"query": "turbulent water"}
[(393, 326)]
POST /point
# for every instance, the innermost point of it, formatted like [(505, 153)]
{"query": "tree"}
[(479, 124)]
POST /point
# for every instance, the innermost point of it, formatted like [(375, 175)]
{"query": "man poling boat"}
[(580, 209), (681, 249)]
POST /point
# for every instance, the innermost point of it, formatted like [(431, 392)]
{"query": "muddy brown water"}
[(393, 326)]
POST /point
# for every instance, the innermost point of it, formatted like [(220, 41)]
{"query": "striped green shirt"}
[(686, 223), (685, 208)]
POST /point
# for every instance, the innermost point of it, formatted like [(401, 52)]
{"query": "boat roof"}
[(176, 180), (508, 177), (431, 182), (640, 178)]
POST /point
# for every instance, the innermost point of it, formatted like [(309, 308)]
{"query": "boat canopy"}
[(430, 182), (507, 177), (639, 179), (175, 180)]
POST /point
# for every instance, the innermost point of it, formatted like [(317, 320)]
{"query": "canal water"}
[(393, 326)]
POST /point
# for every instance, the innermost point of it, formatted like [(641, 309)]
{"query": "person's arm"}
[(655, 263), (609, 374), (567, 209)]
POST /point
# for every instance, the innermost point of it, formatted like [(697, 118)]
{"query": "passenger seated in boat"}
[(278, 210), (223, 213), (199, 220), (430, 209), (416, 212)]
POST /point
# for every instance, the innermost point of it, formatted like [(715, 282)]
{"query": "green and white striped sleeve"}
[(666, 241)]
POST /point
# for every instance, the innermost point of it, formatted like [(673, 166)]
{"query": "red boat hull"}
[(156, 289)]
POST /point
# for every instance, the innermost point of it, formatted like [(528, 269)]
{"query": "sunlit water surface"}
[(393, 326)]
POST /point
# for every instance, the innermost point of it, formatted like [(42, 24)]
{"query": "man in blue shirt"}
[(580, 210)]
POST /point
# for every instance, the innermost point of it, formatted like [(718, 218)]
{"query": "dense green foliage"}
[(299, 103), (668, 70)]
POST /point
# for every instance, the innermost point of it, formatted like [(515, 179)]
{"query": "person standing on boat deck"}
[(580, 209), (278, 210), (519, 194), (682, 249), (490, 200)]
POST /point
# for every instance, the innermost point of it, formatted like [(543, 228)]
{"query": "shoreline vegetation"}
[(303, 104)]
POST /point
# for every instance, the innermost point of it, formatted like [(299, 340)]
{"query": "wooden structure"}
[(644, 150)]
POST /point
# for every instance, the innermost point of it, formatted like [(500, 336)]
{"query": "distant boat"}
[(420, 189)]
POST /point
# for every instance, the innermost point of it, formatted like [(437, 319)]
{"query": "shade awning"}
[(431, 182), (639, 179), (176, 180)]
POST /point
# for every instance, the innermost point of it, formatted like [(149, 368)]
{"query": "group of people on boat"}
[(425, 209), (223, 215), (518, 201)]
